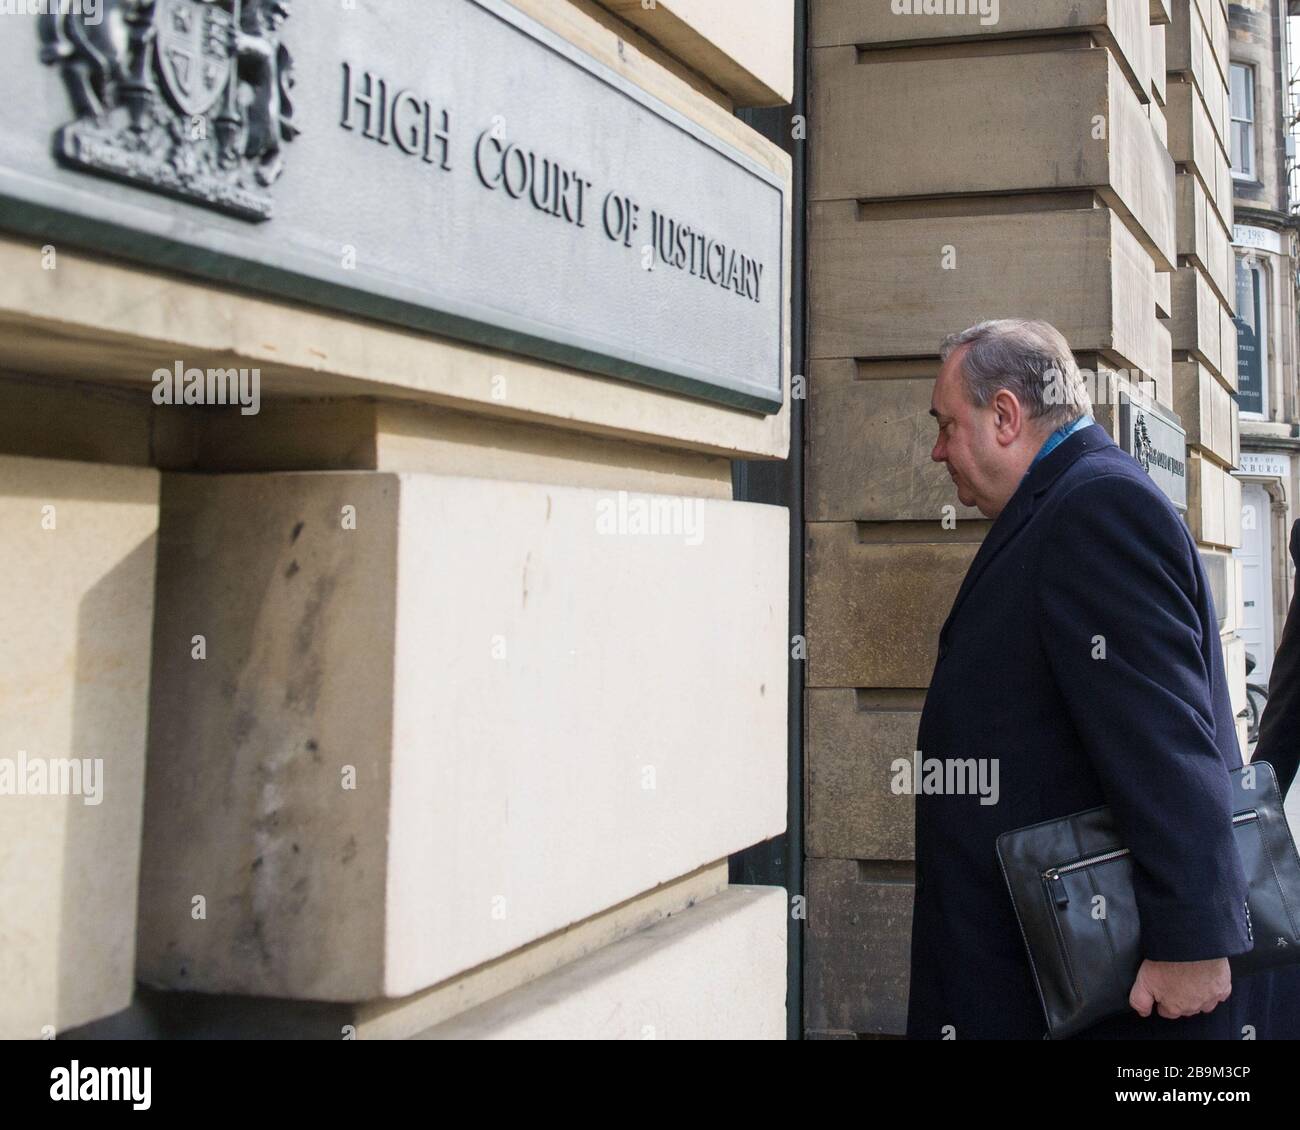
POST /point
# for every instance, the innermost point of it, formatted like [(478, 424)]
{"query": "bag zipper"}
[(1052, 876)]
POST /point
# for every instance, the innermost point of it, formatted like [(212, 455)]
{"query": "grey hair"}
[(1030, 359)]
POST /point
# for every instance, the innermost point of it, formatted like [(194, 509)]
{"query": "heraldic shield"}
[(190, 98), (194, 40)]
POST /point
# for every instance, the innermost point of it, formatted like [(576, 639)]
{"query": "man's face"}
[(968, 442)]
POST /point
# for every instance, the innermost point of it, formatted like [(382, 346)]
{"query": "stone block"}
[(857, 958), (715, 971), (1120, 27), (1080, 269), (1205, 407), (874, 608), (853, 738), (489, 711), (744, 47), (1195, 324), (1050, 112), (77, 549), (869, 447)]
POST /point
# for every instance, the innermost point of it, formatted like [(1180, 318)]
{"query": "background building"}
[(1262, 151)]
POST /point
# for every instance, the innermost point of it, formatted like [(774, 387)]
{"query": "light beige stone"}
[(1213, 502), (1195, 324), (1164, 302), (883, 288), (1159, 63), (1205, 407), (716, 971), (370, 435), (1065, 120), (1117, 24), (77, 550), (540, 724), (1193, 144), (869, 449), (1190, 55), (853, 739), (874, 608), (1159, 123), (745, 47)]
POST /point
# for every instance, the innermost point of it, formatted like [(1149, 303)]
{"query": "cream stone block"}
[(1218, 39), (1196, 324), (1159, 123), (1193, 144), (1205, 407), (716, 971), (77, 551), (744, 47), (1202, 236), (875, 607), (489, 711), (893, 288), (1231, 511), (1066, 120), (1159, 63), (869, 448), (1164, 301), (1228, 345), (1120, 25), (1162, 369), (853, 739), (1190, 55), (1234, 662), (1160, 13), (1209, 496)]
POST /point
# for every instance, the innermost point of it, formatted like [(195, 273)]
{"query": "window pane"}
[(1242, 150), (1242, 92)]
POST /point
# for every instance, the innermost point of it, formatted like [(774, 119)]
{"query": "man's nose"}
[(938, 453)]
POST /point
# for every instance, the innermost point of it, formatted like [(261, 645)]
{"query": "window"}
[(1252, 343), (1243, 121)]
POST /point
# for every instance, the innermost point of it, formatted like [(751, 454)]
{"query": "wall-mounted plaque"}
[(1158, 443), (449, 165)]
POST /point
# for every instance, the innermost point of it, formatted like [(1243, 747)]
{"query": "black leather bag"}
[(1084, 966)]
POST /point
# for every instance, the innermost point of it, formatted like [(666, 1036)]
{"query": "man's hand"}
[(1181, 988)]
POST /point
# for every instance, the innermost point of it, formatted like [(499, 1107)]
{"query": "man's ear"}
[(1008, 417)]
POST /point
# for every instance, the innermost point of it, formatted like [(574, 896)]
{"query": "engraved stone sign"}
[(1158, 444), (449, 165)]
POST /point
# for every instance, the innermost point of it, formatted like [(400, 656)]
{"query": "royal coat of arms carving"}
[(186, 97)]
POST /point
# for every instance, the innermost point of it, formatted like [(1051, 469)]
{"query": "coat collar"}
[(1037, 481)]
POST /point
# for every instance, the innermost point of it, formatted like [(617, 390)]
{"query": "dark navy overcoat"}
[(1082, 652)]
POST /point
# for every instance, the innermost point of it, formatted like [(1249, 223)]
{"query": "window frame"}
[(1247, 70)]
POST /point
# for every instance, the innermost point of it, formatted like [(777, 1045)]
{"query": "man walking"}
[(1082, 652)]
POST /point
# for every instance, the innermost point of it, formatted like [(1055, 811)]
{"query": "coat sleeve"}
[(1119, 599), (1279, 728)]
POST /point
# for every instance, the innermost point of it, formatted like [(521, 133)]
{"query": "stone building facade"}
[(1062, 160)]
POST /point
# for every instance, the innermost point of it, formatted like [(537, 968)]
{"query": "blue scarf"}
[(1062, 433)]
